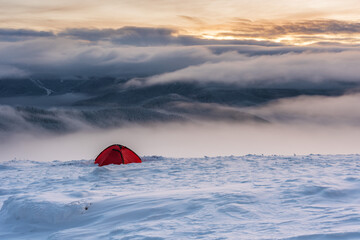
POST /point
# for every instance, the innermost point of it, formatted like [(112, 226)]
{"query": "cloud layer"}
[(158, 55), (266, 29), (336, 111), (287, 70)]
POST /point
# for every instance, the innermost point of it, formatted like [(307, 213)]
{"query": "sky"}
[(294, 22)]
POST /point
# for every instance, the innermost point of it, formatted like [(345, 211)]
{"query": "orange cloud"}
[(291, 32)]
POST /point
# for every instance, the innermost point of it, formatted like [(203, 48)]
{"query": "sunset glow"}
[(289, 22)]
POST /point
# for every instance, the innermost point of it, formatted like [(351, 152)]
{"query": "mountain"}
[(66, 105)]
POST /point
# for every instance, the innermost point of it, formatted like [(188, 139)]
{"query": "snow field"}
[(246, 197)]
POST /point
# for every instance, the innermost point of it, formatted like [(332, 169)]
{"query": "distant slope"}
[(66, 105)]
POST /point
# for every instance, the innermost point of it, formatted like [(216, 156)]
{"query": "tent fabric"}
[(117, 154)]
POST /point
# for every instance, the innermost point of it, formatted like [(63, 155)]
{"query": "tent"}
[(117, 154)]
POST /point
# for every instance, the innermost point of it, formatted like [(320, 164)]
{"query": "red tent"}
[(117, 154)]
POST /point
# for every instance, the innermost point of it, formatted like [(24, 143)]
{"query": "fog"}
[(188, 140), (300, 125), (317, 110)]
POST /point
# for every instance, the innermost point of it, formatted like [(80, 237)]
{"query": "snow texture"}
[(247, 197)]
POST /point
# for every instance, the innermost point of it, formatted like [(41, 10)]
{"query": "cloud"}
[(126, 35), (286, 70), (8, 34), (7, 71), (142, 36), (301, 125), (297, 32), (194, 20), (238, 32), (68, 55), (305, 27), (64, 57), (314, 132), (58, 57), (313, 110)]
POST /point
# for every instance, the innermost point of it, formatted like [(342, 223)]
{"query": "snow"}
[(234, 197), (40, 85)]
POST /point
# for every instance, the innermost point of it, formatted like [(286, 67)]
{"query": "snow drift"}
[(248, 197)]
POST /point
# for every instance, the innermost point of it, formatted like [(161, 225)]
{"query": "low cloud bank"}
[(332, 111), (313, 110), (188, 140), (286, 70), (301, 125)]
